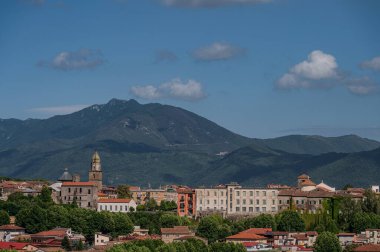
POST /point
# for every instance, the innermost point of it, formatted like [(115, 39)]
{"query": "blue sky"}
[(260, 68)]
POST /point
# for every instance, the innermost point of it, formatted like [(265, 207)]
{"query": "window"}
[(280, 201), (264, 202), (257, 209), (208, 202), (251, 201), (244, 202), (69, 190), (237, 193), (264, 193), (221, 202), (244, 209), (257, 202), (297, 202), (237, 202), (273, 209), (221, 193), (208, 193), (89, 191), (111, 207), (215, 194), (244, 193), (215, 202), (273, 193), (237, 209), (251, 209), (264, 209), (200, 201), (257, 193), (89, 204), (251, 193), (273, 202)]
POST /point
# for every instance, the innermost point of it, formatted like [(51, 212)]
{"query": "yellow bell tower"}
[(95, 174)]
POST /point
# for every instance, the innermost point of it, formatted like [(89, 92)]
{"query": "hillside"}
[(159, 144)]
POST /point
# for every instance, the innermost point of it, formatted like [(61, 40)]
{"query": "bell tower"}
[(95, 173)]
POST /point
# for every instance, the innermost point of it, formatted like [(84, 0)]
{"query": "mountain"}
[(159, 144), (303, 144), (250, 165)]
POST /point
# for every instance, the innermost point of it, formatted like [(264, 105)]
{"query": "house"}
[(186, 202), (373, 235), (8, 232), (137, 230), (169, 234), (346, 238), (116, 205), (85, 194), (246, 237), (101, 239), (54, 237), (255, 246), (18, 246)]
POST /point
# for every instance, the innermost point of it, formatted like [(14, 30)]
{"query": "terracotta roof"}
[(246, 236), (114, 200), (303, 176), (258, 231), (309, 233), (11, 227), (176, 230), (13, 245), (346, 234), (307, 182), (277, 233), (368, 248), (60, 232), (78, 184)]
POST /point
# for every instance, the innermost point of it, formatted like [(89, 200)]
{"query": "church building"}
[(95, 173)]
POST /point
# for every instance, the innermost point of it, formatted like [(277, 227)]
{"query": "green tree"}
[(327, 242), (4, 217), (79, 245), (169, 220), (123, 224), (226, 247), (261, 221), (66, 244), (290, 221), (151, 205), (213, 228), (33, 219), (123, 192), (45, 195)]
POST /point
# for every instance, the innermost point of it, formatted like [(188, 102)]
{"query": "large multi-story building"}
[(186, 202), (233, 199), (85, 194)]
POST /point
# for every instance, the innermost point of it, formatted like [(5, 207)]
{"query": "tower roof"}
[(66, 176), (96, 157)]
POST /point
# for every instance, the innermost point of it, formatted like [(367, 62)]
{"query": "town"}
[(71, 214)]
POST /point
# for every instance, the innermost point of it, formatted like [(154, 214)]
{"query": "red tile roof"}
[(346, 234), (114, 200), (78, 184), (176, 230), (368, 248), (246, 236), (258, 231), (60, 232), (11, 227), (13, 245)]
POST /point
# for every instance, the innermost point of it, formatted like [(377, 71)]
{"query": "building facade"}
[(234, 199), (116, 205), (85, 194), (186, 202)]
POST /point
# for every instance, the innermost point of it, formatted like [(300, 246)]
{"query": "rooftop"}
[(114, 200), (78, 184)]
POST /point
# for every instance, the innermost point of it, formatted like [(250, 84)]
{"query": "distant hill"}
[(159, 144), (303, 144)]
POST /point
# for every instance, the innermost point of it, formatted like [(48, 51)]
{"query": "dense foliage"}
[(191, 245), (327, 242)]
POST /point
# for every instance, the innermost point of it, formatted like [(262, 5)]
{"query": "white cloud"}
[(217, 51), (316, 71), (362, 86), (60, 110), (373, 64), (81, 59), (210, 3), (190, 90)]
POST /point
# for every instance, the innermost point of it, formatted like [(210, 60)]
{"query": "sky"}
[(260, 68)]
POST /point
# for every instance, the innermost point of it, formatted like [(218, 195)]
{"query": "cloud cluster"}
[(165, 56), (209, 3), (217, 51), (320, 70), (60, 110), (77, 60), (190, 90), (373, 64)]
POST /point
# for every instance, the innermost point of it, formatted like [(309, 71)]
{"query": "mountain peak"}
[(115, 101)]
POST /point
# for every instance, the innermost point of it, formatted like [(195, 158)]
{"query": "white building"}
[(233, 199), (116, 205), (101, 239)]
